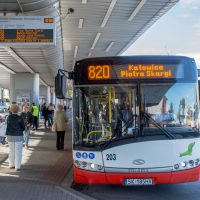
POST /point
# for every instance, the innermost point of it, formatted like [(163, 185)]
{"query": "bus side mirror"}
[(60, 86)]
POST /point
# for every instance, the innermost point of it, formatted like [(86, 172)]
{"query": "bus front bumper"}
[(91, 177)]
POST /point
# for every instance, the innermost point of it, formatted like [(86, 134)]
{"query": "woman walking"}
[(14, 132), (61, 124), (28, 120)]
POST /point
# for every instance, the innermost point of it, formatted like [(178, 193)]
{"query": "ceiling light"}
[(84, 1), (43, 82), (136, 10), (96, 40), (112, 4), (19, 59), (80, 23), (75, 51), (7, 69), (109, 47), (89, 54)]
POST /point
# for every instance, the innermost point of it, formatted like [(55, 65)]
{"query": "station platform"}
[(45, 173)]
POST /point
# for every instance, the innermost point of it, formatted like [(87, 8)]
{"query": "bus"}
[(136, 120)]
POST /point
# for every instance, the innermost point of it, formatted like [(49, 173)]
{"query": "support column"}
[(54, 98), (36, 89), (48, 95), (24, 88), (45, 94), (12, 88), (2, 93), (56, 103)]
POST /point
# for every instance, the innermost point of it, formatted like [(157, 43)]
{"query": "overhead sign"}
[(134, 71), (27, 30)]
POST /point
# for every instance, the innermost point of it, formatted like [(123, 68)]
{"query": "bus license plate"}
[(138, 181)]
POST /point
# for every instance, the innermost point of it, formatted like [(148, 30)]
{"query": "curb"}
[(75, 195)]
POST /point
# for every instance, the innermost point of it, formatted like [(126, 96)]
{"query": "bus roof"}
[(139, 57)]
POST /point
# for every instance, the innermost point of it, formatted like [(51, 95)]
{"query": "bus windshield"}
[(153, 111)]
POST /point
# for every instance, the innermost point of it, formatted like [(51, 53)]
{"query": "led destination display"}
[(134, 71), (26, 35), (27, 30)]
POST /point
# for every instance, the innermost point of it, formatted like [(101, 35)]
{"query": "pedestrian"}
[(50, 113), (65, 108), (44, 114), (14, 133), (28, 120), (35, 113), (61, 125)]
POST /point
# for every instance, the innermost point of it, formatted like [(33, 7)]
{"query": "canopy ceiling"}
[(85, 28)]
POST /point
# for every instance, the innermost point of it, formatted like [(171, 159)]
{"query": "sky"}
[(175, 33)]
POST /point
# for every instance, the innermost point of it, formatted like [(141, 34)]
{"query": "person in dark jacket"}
[(14, 132), (45, 113), (50, 113), (28, 120)]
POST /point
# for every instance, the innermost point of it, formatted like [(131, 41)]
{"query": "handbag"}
[(54, 127)]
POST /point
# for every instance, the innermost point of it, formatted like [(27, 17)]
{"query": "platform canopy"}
[(84, 28)]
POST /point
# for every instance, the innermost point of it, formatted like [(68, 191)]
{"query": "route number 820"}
[(99, 72)]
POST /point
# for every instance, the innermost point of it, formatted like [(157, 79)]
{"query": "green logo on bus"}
[(189, 150)]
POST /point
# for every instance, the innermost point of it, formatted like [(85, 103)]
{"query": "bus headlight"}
[(84, 164), (197, 161), (92, 165), (176, 166), (88, 166), (187, 164), (191, 163), (99, 167), (77, 163), (183, 164)]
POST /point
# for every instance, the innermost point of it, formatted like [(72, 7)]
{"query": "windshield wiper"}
[(167, 133), (117, 138), (114, 139), (121, 137)]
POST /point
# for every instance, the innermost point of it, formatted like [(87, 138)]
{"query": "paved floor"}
[(3, 156), (42, 162), (15, 189), (183, 191), (46, 173)]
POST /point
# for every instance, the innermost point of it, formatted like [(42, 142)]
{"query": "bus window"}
[(173, 106), (105, 112)]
